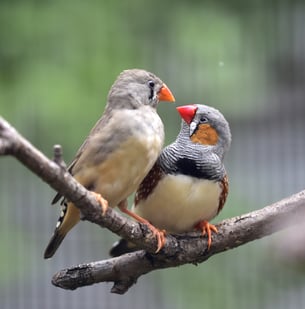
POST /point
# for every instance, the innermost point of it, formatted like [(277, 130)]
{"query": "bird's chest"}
[(179, 202), (126, 167)]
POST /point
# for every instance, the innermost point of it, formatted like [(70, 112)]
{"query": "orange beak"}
[(165, 94), (187, 112)]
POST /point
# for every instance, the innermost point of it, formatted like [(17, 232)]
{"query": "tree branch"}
[(188, 248), (178, 250), (54, 173)]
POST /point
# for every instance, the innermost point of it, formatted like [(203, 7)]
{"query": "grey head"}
[(135, 87), (205, 126)]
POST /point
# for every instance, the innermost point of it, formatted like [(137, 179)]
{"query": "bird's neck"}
[(121, 102), (184, 139)]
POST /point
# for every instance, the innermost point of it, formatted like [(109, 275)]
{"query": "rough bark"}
[(178, 250)]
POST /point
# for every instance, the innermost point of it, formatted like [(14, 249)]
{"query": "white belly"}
[(180, 202)]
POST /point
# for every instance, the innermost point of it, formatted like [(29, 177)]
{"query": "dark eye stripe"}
[(151, 85)]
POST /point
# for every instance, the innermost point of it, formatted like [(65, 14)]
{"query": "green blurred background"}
[(246, 58)]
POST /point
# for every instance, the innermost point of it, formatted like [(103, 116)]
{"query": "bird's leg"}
[(102, 201), (160, 234), (206, 228)]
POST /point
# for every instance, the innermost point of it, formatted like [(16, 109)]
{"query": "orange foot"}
[(102, 201), (206, 228), (159, 234)]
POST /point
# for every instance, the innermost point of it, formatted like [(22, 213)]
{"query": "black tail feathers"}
[(121, 247)]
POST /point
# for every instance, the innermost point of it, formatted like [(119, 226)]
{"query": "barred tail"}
[(69, 216)]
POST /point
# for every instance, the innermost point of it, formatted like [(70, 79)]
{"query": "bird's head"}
[(206, 126), (134, 88)]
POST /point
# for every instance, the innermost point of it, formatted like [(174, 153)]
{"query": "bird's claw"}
[(207, 228), (102, 201), (160, 234)]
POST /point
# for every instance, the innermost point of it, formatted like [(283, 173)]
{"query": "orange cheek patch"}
[(205, 135)]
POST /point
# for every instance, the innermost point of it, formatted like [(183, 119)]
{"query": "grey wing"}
[(97, 127), (97, 147)]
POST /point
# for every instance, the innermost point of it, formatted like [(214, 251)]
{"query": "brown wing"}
[(149, 183), (224, 193)]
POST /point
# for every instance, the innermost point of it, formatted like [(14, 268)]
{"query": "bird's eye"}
[(151, 84), (203, 119)]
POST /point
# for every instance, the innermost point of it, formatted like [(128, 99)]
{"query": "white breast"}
[(179, 202)]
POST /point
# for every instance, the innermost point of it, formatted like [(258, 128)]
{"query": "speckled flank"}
[(149, 183), (224, 192)]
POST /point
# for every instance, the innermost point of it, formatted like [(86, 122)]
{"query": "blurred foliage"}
[(59, 58)]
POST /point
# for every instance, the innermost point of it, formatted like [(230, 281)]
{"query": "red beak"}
[(165, 94), (187, 112)]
